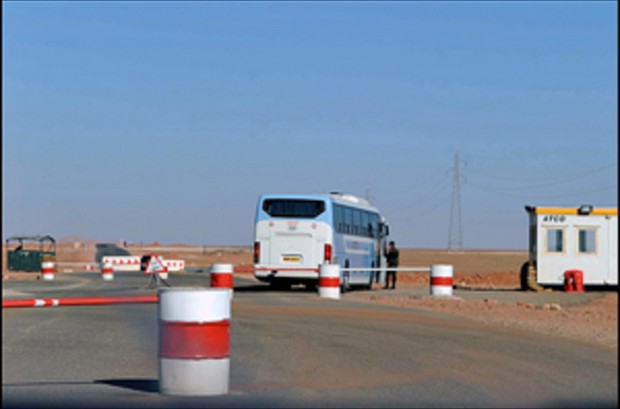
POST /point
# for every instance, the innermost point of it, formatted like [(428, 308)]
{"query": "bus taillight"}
[(328, 253), (256, 252)]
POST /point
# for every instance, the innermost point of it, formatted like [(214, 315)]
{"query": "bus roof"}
[(336, 197)]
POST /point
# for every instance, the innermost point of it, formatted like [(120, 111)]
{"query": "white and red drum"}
[(194, 341), (222, 277), (441, 279), (329, 281), (107, 272), (47, 270)]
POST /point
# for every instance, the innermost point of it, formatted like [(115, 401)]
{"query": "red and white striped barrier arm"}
[(66, 302)]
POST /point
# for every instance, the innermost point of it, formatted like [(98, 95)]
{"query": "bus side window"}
[(357, 222), (365, 224), (372, 225), (338, 222), (348, 219)]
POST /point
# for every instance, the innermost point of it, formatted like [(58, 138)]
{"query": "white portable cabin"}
[(574, 238)]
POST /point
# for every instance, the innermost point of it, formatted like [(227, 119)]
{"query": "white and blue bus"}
[(296, 233)]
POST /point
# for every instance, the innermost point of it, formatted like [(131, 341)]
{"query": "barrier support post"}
[(329, 281), (107, 272), (47, 270), (194, 341), (222, 277), (441, 279)]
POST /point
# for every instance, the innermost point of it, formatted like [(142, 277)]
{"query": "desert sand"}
[(594, 322)]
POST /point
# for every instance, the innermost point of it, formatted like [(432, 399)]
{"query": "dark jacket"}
[(392, 258)]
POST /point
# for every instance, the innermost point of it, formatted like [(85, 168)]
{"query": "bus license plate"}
[(291, 259)]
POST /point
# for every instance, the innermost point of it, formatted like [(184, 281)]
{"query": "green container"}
[(27, 260)]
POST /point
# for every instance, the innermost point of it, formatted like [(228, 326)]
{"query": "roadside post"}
[(194, 341), (441, 279), (47, 270), (329, 281), (107, 272), (222, 277)]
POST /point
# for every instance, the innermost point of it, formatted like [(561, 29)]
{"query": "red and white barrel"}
[(329, 281), (441, 279), (222, 277), (107, 272), (194, 341), (47, 270)]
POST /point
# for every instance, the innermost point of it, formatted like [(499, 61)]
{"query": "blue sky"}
[(164, 121)]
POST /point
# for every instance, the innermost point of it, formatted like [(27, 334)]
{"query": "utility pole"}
[(455, 235), (368, 195)]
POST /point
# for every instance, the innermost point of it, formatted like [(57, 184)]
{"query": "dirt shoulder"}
[(594, 321)]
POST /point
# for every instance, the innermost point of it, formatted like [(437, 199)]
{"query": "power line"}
[(548, 180), (455, 234), (438, 188), (503, 193), (418, 214), (583, 192)]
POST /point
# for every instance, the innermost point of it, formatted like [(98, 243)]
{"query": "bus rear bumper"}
[(270, 273)]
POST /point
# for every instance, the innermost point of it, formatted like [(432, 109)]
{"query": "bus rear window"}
[(294, 208)]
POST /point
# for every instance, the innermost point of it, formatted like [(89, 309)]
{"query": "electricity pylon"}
[(455, 235)]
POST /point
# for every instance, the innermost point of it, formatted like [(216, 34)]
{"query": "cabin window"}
[(587, 240), (555, 240)]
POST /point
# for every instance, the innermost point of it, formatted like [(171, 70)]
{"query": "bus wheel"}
[(369, 285), (372, 277), (280, 285), (344, 285), (310, 286)]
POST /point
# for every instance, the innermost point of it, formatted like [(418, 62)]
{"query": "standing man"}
[(392, 261)]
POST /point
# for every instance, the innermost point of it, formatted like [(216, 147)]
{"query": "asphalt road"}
[(289, 349)]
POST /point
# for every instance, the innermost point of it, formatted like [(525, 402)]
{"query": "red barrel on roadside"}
[(107, 272), (194, 341), (329, 281), (441, 279), (47, 270), (222, 277)]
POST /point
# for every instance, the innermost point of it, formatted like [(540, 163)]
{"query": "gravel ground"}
[(594, 321)]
